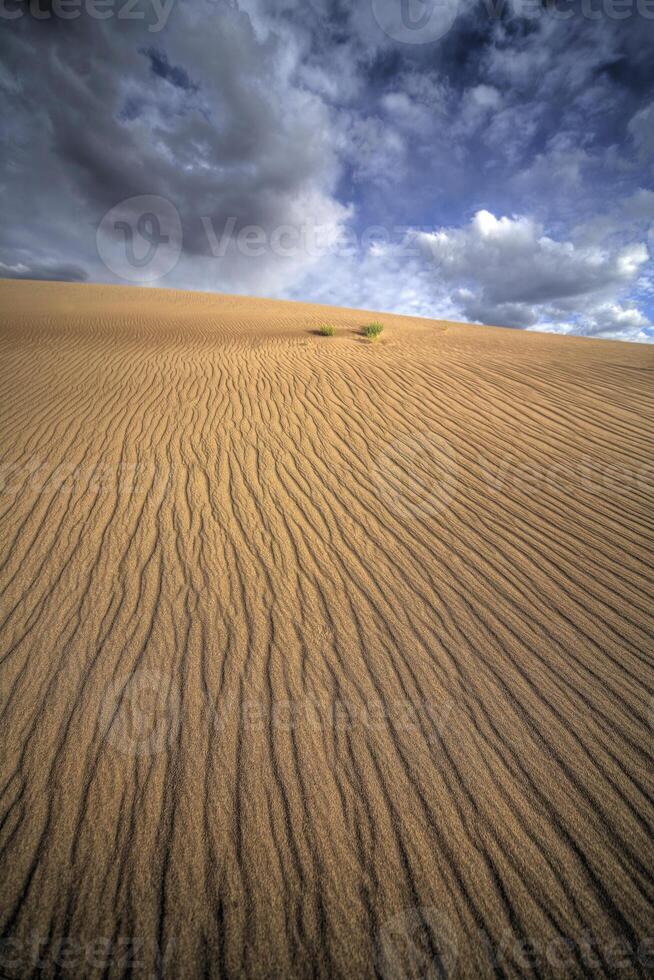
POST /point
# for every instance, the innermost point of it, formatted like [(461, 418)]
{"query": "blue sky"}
[(487, 161)]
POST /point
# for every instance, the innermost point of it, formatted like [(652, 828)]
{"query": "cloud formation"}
[(507, 271), (509, 163)]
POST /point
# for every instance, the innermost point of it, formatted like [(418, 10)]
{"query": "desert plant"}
[(373, 330), (326, 331)]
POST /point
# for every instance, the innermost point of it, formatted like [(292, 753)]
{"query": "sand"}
[(321, 657)]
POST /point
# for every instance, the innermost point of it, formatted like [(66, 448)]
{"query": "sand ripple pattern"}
[(320, 658)]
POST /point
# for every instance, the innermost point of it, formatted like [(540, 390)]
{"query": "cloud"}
[(559, 166), (48, 271), (211, 119), (508, 272), (406, 112), (374, 149), (641, 130), (617, 321), (477, 105)]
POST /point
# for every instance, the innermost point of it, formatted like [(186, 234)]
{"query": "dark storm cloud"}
[(241, 144)]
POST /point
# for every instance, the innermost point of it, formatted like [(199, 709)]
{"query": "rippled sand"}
[(320, 657)]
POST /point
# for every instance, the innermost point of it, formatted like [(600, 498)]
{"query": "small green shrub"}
[(326, 331), (373, 330)]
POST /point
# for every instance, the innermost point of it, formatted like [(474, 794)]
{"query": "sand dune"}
[(321, 657)]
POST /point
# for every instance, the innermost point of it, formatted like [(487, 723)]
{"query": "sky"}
[(488, 161)]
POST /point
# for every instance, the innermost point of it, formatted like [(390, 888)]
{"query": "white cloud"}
[(611, 321), (641, 129), (375, 150), (558, 169), (614, 320), (477, 104), (406, 112), (512, 271)]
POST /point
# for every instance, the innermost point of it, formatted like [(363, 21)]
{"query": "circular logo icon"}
[(141, 714), (415, 21), (417, 475), (140, 239), (419, 944)]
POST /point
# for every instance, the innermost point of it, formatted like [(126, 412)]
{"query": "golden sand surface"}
[(321, 657)]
